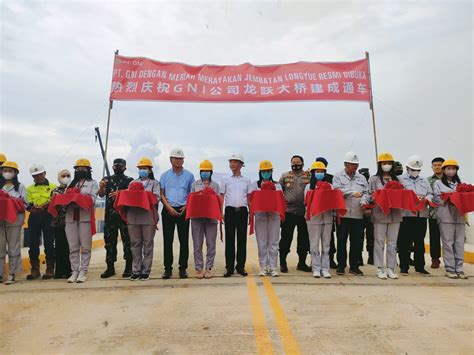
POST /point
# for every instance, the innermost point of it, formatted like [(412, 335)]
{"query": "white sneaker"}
[(73, 277), (10, 279), (391, 274), (82, 277), (462, 275), (381, 273), (451, 275), (326, 274), (263, 272), (317, 274), (274, 273)]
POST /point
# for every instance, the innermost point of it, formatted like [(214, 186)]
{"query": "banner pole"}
[(111, 104), (372, 106)]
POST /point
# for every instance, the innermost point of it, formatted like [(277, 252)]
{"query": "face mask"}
[(81, 174), (296, 167), (386, 168), (450, 172), (319, 176), (205, 175), (65, 181), (8, 176), (118, 171), (143, 173), (266, 175), (414, 173)]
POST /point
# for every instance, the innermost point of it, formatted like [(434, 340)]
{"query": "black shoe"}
[(109, 272), (284, 268), (128, 269), (356, 272), (228, 273), (183, 274), (135, 277), (411, 262), (404, 272), (340, 270), (423, 272), (332, 264), (144, 277), (303, 267), (242, 272), (166, 275), (370, 260)]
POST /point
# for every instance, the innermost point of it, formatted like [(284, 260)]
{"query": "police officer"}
[(293, 184), (109, 188)]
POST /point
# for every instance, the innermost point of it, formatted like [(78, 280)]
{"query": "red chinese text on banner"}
[(10, 207), (137, 78), (73, 196)]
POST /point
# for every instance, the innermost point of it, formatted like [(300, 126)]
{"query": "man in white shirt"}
[(235, 190)]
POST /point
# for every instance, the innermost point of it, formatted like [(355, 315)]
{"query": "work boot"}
[(283, 265), (302, 264), (49, 270), (128, 269), (35, 270), (110, 271)]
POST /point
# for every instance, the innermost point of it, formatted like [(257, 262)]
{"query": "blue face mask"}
[(266, 175), (319, 176), (143, 173), (205, 175)]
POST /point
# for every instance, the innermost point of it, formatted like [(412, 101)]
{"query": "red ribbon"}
[(74, 196), (322, 199), (394, 198), (10, 207), (136, 197), (266, 200), (463, 201), (204, 204)]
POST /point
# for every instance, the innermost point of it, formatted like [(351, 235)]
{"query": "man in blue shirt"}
[(175, 187)]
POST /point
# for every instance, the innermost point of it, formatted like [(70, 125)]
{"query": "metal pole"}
[(372, 106), (111, 104)]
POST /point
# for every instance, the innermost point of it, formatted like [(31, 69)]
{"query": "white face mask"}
[(65, 181), (8, 176), (414, 173), (387, 167), (450, 172)]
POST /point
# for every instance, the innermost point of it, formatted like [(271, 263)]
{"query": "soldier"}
[(109, 188)]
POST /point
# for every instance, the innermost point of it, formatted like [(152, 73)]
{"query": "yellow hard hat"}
[(265, 165), (145, 163), (11, 164), (318, 165), (385, 157), (447, 162), (82, 162), (3, 158), (206, 165)]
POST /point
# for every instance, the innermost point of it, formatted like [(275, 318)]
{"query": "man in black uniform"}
[(109, 188), (332, 247), (368, 229)]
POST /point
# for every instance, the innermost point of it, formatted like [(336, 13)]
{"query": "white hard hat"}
[(177, 153), (414, 162), (36, 169), (238, 157), (351, 157)]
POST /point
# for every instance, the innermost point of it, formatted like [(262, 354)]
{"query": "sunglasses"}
[(65, 176)]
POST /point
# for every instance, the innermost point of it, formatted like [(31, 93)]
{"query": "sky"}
[(56, 67)]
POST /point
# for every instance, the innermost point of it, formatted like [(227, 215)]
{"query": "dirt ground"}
[(293, 313)]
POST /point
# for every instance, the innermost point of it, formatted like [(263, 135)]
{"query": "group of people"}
[(67, 236)]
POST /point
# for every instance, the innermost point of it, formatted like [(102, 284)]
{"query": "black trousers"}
[(169, 223), (61, 247), (40, 224), (235, 222), (435, 241), (412, 231), (113, 224), (332, 245), (349, 228), (302, 239), (368, 234)]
